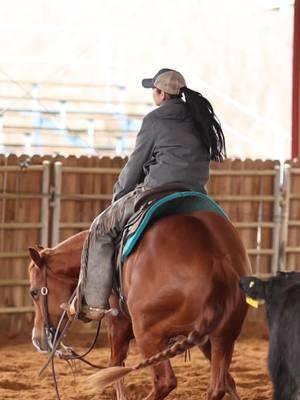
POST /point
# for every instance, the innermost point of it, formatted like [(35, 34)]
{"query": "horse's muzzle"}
[(43, 344)]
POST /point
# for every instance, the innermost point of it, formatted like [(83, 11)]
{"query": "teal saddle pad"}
[(175, 203)]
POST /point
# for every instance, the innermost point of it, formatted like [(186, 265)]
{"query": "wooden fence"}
[(47, 199)]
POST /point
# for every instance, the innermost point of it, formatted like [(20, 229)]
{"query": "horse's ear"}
[(35, 256)]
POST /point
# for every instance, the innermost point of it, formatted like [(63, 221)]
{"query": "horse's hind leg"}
[(221, 380), (164, 379)]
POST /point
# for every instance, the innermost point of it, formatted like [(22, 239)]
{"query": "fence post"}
[(56, 203), (45, 204), (285, 214), (277, 220)]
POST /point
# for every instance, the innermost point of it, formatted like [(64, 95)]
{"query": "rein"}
[(54, 342)]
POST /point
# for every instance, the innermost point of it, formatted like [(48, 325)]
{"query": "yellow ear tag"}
[(252, 302)]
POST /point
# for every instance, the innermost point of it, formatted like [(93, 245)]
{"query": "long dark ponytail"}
[(206, 123)]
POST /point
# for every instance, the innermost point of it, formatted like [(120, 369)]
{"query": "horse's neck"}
[(65, 263), (64, 259)]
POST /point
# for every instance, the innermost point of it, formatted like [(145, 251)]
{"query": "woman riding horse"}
[(175, 144), (182, 280)]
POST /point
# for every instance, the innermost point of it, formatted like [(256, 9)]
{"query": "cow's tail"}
[(110, 375)]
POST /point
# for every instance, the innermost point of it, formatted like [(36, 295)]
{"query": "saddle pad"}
[(175, 203)]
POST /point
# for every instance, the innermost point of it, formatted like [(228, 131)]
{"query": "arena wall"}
[(44, 200)]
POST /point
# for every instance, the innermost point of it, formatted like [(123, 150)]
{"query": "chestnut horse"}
[(181, 280)]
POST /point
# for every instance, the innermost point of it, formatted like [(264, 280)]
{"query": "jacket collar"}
[(172, 101)]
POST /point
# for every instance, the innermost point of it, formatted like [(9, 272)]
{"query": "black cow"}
[(282, 297)]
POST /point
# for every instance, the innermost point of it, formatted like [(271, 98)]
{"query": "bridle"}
[(54, 335), (49, 330)]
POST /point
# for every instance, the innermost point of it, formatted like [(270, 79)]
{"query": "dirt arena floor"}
[(19, 365)]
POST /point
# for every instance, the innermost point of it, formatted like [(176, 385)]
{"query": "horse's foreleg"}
[(119, 334), (164, 379), (206, 350), (221, 380)]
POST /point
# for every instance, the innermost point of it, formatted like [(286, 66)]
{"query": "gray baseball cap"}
[(167, 80)]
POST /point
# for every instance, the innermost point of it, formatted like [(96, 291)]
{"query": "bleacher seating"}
[(68, 118)]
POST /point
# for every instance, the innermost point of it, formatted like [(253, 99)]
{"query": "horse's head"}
[(49, 288)]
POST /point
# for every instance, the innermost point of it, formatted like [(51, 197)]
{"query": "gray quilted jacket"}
[(167, 150)]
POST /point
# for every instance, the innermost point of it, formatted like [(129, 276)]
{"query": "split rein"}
[(67, 353)]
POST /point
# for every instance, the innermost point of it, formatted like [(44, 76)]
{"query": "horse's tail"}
[(108, 376)]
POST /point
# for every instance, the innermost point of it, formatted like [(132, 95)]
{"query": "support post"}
[(296, 84), (56, 203), (285, 215), (277, 221), (45, 204)]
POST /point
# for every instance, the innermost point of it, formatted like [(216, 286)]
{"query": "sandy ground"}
[(19, 365)]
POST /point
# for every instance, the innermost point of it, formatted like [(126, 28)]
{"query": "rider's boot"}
[(85, 312), (95, 285)]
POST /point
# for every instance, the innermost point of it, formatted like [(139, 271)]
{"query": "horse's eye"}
[(34, 294)]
